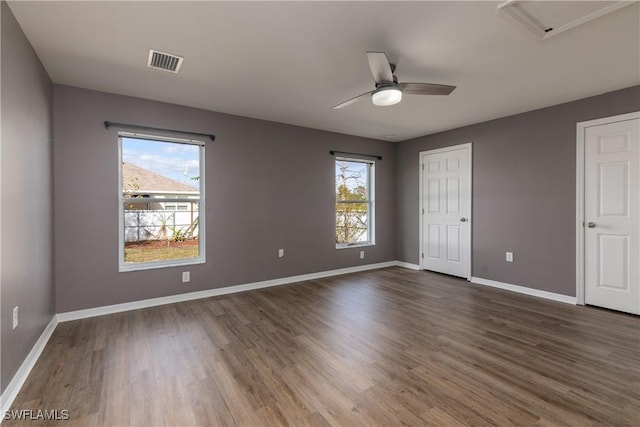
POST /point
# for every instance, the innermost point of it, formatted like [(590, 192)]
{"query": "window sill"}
[(160, 264), (354, 245)]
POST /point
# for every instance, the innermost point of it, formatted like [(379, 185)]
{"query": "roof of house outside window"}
[(139, 180)]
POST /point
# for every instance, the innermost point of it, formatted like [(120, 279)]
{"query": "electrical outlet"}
[(186, 276), (280, 253), (509, 256), (361, 254), (15, 317)]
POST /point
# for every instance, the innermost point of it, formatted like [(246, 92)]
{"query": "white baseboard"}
[(117, 308), (524, 290), (10, 393), (408, 265)]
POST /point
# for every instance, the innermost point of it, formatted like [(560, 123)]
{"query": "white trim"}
[(408, 265), (531, 24), (581, 128), (10, 393), (354, 245), (154, 265), (524, 290), (445, 149), (590, 17), (612, 119), (420, 207), (470, 254), (468, 146), (202, 206), (354, 159), (127, 306), (580, 213), (161, 138)]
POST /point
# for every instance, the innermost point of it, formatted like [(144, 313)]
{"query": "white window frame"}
[(371, 215), (201, 258)]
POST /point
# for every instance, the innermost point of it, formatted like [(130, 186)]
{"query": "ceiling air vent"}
[(164, 61), (548, 18)]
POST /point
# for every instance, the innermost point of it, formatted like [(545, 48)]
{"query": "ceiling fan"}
[(388, 91)]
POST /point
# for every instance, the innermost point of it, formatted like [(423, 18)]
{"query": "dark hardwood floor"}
[(381, 348)]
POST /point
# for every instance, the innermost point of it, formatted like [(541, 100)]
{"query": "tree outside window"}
[(354, 204)]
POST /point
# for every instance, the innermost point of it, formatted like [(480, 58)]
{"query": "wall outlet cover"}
[(15, 317), (186, 276)]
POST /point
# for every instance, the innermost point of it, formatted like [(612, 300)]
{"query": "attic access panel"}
[(548, 18)]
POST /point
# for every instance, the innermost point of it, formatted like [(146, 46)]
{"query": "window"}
[(177, 207), (354, 202), (161, 188)]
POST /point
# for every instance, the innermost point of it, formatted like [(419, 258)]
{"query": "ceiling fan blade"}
[(351, 101), (380, 67), (426, 89)]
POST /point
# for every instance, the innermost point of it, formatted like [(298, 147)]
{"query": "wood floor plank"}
[(391, 347)]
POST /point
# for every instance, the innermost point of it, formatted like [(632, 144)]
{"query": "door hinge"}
[(422, 255), (422, 211), (422, 166)]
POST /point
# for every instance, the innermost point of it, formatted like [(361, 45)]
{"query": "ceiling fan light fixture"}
[(386, 96)]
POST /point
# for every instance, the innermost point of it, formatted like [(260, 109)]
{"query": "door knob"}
[(591, 224), (463, 219)]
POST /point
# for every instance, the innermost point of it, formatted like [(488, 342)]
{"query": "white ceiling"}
[(291, 62)]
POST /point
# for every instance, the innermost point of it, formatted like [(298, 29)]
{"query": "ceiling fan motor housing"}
[(385, 83), (386, 95)]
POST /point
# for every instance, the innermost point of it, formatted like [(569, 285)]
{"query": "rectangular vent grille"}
[(164, 61)]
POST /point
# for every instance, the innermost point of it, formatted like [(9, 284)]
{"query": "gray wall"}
[(523, 191), (26, 178), (268, 186)]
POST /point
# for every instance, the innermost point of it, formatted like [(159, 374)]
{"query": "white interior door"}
[(612, 215), (445, 210)]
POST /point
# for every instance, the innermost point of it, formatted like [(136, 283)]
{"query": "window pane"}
[(159, 168), (352, 202), (158, 235), (351, 222), (351, 181), (161, 206)]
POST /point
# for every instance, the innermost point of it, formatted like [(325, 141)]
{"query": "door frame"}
[(581, 128), (469, 253)]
